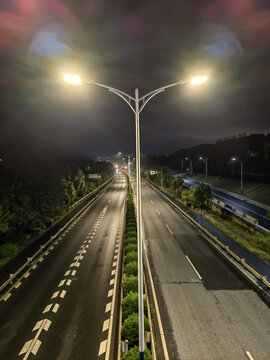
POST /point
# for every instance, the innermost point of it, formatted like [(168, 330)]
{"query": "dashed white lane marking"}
[(33, 345), (47, 308), (6, 296), (115, 257), (67, 272), (249, 355), (61, 283), (55, 308), (73, 272), (169, 229), (193, 267), (102, 347), (106, 325), (55, 294), (26, 275), (68, 282), (110, 293), (108, 307), (114, 264), (34, 266), (112, 281), (152, 202), (157, 211), (41, 259), (18, 283), (113, 272), (63, 293)]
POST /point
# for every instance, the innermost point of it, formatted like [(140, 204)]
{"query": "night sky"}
[(128, 44)]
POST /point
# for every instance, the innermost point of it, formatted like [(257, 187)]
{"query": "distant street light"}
[(190, 166), (137, 104), (128, 156), (242, 166), (206, 167)]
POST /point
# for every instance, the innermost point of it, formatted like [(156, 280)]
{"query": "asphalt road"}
[(65, 303), (208, 311), (243, 204)]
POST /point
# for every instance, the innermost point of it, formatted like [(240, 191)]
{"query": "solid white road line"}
[(169, 229), (193, 267), (157, 211), (161, 331), (249, 355)]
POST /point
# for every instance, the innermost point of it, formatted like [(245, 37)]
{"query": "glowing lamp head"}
[(72, 79), (198, 80)]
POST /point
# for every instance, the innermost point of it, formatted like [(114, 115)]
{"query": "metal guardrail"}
[(30, 260), (247, 218), (242, 261)]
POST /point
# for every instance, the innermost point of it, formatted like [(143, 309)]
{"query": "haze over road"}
[(64, 304), (208, 312)]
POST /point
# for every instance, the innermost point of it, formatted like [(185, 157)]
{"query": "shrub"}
[(130, 240), (131, 256), (130, 228), (130, 305), (131, 269), (130, 329), (130, 247), (130, 284), (8, 250), (131, 233), (133, 354)]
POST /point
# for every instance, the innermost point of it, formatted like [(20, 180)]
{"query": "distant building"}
[(243, 146)]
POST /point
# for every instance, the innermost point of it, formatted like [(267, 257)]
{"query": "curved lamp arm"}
[(127, 98)]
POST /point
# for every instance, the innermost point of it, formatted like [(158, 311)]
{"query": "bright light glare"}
[(72, 79), (198, 80)]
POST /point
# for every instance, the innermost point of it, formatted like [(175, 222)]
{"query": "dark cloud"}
[(128, 44)]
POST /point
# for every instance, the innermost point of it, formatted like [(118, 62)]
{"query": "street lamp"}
[(241, 164), (137, 104), (190, 166), (206, 167), (128, 156)]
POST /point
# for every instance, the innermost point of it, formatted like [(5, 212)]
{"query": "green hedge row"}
[(130, 318)]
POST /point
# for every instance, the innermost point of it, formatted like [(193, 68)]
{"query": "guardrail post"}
[(11, 278)]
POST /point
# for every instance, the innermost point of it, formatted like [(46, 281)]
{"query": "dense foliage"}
[(34, 193)]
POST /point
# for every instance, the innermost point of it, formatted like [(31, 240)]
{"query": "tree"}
[(177, 185), (188, 197), (202, 195)]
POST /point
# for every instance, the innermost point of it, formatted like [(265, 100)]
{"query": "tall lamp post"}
[(242, 169), (137, 104), (190, 166), (129, 157), (206, 167)]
